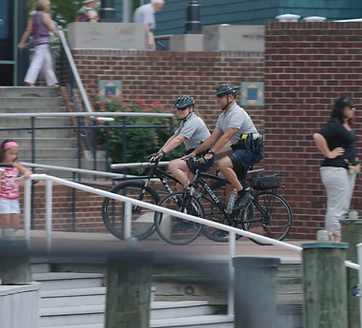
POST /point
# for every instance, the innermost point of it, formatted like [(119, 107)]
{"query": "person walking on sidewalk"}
[(39, 26), (234, 125), (335, 140), (146, 15)]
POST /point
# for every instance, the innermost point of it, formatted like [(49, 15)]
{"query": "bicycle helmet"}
[(226, 89), (184, 102)]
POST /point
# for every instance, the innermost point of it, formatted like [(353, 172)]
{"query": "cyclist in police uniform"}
[(192, 131), (234, 125)]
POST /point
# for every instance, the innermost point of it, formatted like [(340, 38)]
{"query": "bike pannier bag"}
[(263, 182)]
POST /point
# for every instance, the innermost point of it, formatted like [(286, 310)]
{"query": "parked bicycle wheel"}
[(113, 211), (174, 230), (273, 217)]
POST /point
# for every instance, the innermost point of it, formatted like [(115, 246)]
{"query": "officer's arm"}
[(229, 132), (173, 143), (209, 142)]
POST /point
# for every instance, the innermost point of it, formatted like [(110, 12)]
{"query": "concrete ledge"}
[(248, 38), (25, 300), (123, 36), (187, 42), (145, 221)]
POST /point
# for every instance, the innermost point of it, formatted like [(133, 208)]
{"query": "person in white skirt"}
[(39, 25)]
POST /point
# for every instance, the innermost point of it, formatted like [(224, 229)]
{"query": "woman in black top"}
[(336, 142)]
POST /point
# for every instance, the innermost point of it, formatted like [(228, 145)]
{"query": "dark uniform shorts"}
[(243, 159)]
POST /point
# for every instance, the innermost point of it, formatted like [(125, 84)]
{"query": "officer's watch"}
[(211, 152)]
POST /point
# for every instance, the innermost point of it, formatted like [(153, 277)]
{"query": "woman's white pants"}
[(42, 61)]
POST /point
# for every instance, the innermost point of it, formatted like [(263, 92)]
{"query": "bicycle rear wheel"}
[(113, 211), (174, 230), (272, 217), (215, 214)]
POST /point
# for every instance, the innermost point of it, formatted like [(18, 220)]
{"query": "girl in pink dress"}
[(9, 189)]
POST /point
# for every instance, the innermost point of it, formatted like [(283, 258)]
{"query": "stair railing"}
[(70, 78), (49, 180)]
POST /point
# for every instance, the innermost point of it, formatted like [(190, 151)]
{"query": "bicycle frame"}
[(216, 201)]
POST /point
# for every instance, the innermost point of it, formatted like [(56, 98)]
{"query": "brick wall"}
[(307, 66), (165, 75)]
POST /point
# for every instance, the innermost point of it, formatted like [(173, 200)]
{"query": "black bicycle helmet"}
[(227, 89), (184, 102)]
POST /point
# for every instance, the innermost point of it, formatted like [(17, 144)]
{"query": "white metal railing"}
[(128, 218), (75, 72), (349, 20), (82, 114), (355, 266), (75, 170)]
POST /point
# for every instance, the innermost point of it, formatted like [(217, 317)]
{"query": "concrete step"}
[(206, 321), (43, 143), (39, 122), (29, 92), (40, 268), (45, 153), (66, 280), (52, 109), (31, 102), (212, 321), (93, 314), (72, 297), (49, 133)]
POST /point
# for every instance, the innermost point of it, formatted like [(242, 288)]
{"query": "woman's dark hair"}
[(339, 105), (2, 150)]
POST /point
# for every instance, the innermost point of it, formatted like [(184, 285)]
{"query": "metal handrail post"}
[(230, 304), (27, 208), (124, 138), (359, 256), (48, 214), (127, 220)]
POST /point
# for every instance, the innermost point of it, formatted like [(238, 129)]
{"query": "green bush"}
[(140, 142)]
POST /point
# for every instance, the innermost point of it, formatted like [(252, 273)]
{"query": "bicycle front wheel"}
[(272, 217), (113, 211), (174, 230)]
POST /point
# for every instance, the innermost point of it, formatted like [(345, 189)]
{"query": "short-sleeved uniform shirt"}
[(145, 14), (337, 135), (194, 130), (236, 117)]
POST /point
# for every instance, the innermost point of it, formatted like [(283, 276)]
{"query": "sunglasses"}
[(220, 96), (182, 108)]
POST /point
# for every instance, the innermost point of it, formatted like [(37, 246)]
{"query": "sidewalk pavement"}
[(98, 245)]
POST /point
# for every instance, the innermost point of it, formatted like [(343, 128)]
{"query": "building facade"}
[(13, 20), (171, 20)]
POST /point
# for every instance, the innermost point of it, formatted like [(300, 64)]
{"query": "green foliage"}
[(140, 142)]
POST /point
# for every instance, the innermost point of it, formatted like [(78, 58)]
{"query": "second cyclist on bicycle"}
[(192, 131)]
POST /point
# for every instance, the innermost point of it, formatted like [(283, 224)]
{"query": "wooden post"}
[(129, 278), (324, 285), (14, 262), (351, 233), (255, 292)]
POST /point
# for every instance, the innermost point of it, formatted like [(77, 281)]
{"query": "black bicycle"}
[(267, 213), (138, 187)]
